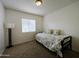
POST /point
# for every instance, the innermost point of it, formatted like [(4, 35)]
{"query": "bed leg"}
[(71, 43), (71, 46)]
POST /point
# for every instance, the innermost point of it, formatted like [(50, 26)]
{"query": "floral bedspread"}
[(50, 41)]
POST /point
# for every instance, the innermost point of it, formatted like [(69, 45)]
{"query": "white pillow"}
[(57, 32), (51, 31)]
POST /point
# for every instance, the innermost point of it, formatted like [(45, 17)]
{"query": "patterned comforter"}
[(52, 42)]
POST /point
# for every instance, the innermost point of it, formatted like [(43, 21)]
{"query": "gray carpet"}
[(35, 50)]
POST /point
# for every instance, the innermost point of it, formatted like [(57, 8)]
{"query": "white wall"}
[(66, 19), (15, 17), (2, 43)]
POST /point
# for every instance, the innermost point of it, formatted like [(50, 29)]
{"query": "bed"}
[(55, 43)]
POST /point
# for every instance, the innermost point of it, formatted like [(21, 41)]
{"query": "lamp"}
[(38, 2), (10, 26)]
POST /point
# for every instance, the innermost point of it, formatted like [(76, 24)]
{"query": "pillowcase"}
[(51, 31), (57, 32)]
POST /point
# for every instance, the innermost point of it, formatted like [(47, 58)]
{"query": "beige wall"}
[(66, 19), (2, 41), (14, 17)]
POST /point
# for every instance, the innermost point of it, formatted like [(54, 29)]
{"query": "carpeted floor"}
[(35, 50)]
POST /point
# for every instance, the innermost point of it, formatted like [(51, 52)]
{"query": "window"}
[(28, 25)]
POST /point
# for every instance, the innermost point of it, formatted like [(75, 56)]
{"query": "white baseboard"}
[(1, 51), (75, 49)]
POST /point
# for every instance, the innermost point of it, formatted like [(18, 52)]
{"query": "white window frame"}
[(30, 25)]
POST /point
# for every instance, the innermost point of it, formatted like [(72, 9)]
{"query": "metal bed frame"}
[(66, 44)]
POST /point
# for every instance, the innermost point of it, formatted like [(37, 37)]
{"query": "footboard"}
[(66, 42)]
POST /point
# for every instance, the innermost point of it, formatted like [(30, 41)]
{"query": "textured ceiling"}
[(30, 7)]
